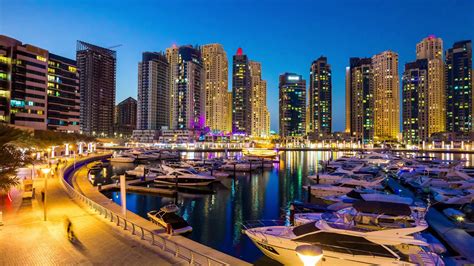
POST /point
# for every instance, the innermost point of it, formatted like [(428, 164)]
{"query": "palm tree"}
[(11, 158)]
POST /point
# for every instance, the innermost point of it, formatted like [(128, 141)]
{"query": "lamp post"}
[(310, 255), (46, 173)]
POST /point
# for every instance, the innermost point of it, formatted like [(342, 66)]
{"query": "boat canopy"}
[(387, 208)]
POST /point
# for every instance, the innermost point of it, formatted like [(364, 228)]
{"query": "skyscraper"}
[(153, 92), (38, 89), (292, 103), (126, 116), (386, 96), (360, 99), (172, 55), (414, 102), (97, 68), (190, 92), (258, 100), (459, 87), (431, 49), (216, 81), (229, 103), (241, 93), (320, 101)]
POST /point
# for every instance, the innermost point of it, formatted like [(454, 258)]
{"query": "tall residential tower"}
[(320, 102), (386, 96), (97, 68), (241, 93), (292, 97)]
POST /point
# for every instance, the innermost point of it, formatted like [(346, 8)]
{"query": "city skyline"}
[(288, 55)]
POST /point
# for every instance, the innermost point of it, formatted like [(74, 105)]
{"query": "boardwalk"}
[(28, 240)]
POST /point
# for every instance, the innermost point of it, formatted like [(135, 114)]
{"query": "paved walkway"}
[(25, 239)]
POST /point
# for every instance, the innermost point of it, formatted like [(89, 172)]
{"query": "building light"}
[(40, 58)]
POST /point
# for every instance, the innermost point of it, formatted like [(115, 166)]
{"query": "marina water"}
[(216, 213)]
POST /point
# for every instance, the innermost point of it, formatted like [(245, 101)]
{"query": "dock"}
[(134, 185)]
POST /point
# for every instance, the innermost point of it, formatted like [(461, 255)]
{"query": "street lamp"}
[(46, 173), (309, 254)]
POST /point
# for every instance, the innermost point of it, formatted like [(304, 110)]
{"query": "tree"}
[(11, 157)]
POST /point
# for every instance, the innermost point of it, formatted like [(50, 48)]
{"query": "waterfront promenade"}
[(28, 240)]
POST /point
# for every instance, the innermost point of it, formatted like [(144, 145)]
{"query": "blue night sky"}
[(285, 36)]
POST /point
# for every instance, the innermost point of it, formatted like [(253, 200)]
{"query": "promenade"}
[(28, 240)]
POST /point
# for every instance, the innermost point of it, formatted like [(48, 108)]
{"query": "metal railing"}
[(173, 248)]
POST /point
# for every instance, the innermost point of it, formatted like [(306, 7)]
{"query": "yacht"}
[(186, 177), (139, 171), (168, 218), (344, 244), (122, 159), (373, 215), (452, 196), (367, 194), (345, 185)]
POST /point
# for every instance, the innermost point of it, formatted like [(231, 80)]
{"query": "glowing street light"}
[(310, 255), (46, 175)]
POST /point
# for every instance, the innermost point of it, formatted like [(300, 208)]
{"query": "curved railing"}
[(172, 247)]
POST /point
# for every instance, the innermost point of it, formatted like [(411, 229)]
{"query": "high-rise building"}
[(63, 94), (216, 81), (153, 92), (360, 99), (431, 49), (38, 90), (172, 55), (414, 102), (292, 103), (459, 87), (190, 92), (386, 96), (241, 93), (126, 117), (258, 100), (228, 119), (320, 102), (97, 69)]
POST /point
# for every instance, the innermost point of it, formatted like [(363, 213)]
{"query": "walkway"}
[(25, 239)]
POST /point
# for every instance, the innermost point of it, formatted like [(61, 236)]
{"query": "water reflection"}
[(216, 217)]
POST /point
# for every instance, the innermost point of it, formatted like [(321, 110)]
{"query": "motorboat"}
[(169, 218), (260, 153), (452, 196), (371, 215), (122, 159), (183, 177), (344, 244), (140, 171), (344, 186), (369, 195)]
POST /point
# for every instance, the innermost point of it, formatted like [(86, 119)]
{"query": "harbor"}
[(219, 211)]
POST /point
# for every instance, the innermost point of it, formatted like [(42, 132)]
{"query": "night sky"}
[(285, 36)]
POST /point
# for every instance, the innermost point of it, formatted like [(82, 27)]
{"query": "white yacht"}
[(122, 159), (344, 186), (139, 171), (168, 217), (369, 195), (186, 177), (452, 196), (345, 244)]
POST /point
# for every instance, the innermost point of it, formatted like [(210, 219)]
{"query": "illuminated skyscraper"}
[(431, 49), (228, 119), (216, 82), (360, 99), (292, 103), (97, 68), (414, 102), (241, 93), (190, 92), (258, 99), (320, 101), (459, 87), (153, 92), (386, 96), (38, 89), (172, 55)]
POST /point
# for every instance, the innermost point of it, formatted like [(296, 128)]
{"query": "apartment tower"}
[(320, 101), (241, 93), (97, 69), (292, 103), (386, 96)]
